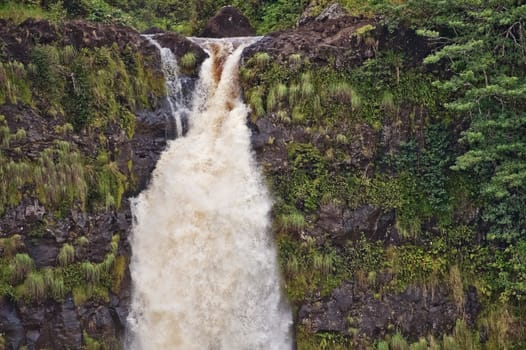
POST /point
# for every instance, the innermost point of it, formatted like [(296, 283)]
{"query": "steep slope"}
[(380, 240)]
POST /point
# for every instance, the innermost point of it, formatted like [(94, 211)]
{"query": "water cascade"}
[(204, 265), (174, 88)]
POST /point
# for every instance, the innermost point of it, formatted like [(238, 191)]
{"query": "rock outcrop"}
[(228, 22), (354, 309)]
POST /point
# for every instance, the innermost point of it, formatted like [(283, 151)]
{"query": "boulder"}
[(334, 11), (228, 22), (373, 222), (180, 45)]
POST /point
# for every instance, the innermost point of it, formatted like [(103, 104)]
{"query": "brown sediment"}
[(218, 62)]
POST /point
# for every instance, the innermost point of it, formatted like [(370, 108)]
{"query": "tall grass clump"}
[(382, 345), (295, 60), (298, 116), (272, 100), (261, 59), (108, 262), (68, 55), (420, 345), (292, 266), (114, 244), (307, 87), (456, 285), (255, 99), (54, 284), (34, 286), (293, 221), (91, 272), (66, 255), (188, 62), (466, 339), (281, 91), (398, 342), (23, 264), (387, 102), (294, 94), (323, 263)]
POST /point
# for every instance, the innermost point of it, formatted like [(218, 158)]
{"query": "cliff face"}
[(356, 148), (83, 121)]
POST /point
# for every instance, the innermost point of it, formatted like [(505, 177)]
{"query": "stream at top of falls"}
[(204, 265)]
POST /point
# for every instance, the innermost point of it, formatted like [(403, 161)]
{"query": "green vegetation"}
[(434, 179), (90, 90), (453, 175), (86, 280)]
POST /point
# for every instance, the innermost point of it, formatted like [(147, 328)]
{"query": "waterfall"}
[(204, 266), (174, 88)]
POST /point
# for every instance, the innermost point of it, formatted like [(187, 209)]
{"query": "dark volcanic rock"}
[(373, 222), (19, 40), (322, 42), (414, 312), (340, 224), (334, 11), (228, 22), (180, 45), (341, 40), (11, 325), (43, 251), (67, 326)]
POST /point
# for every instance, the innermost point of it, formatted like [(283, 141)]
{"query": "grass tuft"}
[(66, 255), (23, 264)]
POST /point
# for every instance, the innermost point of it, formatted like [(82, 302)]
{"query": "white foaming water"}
[(174, 88), (204, 265)]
